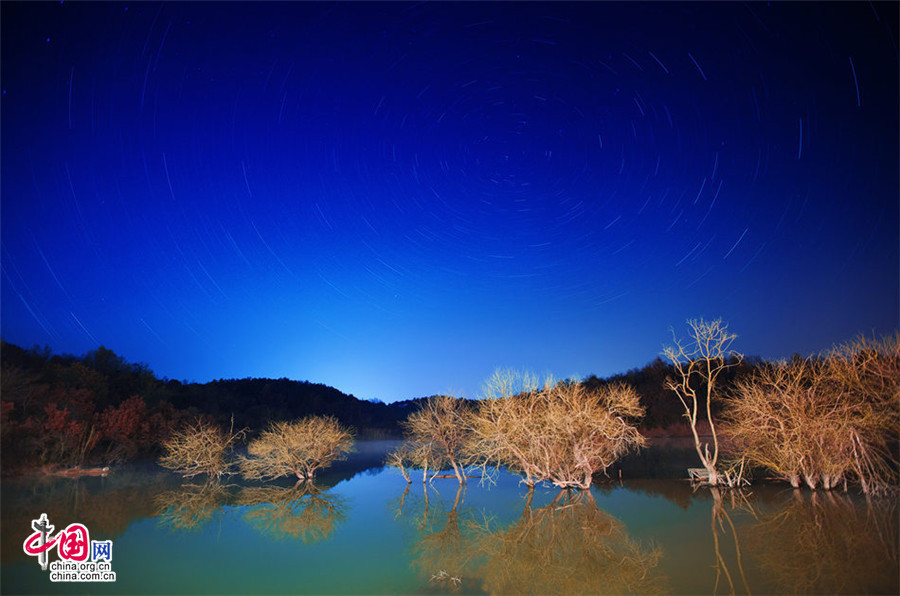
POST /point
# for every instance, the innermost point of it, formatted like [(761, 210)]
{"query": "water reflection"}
[(823, 542), (722, 523), (640, 535), (569, 546), (448, 544), (105, 505), (192, 505), (302, 511)]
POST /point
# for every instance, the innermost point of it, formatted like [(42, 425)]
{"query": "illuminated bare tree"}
[(297, 448), (201, 447), (400, 458), (824, 420), (437, 433), (414, 455), (562, 433), (866, 374), (699, 361)]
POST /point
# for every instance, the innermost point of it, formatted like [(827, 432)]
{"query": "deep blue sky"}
[(396, 199)]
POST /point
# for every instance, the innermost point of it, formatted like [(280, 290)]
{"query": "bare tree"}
[(297, 448), (562, 433), (401, 458), (823, 420), (416, 455), (201, 447), (437, 433), (866, 374), (698, 362)]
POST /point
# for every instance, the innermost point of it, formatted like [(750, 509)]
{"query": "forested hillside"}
[(99, 408)]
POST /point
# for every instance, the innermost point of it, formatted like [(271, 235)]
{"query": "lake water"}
[(362, 530)]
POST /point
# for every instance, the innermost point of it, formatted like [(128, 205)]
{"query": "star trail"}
[(395, 199)]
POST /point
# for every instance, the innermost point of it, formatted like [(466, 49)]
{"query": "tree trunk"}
[(811, 480), (459, 475)]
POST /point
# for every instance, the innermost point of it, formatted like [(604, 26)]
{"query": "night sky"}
[(395, 199)]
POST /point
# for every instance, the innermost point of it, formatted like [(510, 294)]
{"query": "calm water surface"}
[(362, 530)]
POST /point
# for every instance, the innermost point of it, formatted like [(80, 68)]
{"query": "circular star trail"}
[(394, 199)]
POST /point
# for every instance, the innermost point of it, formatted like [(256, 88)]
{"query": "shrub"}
[(201, 447), (824, 420), (436, 435), (296, 448), (562, 433)]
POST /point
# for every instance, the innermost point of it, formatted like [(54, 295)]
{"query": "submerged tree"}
[(437, 433), (201, 447), (562, 433), (698, 362), (824, 420), (297, 448), (412, 456)]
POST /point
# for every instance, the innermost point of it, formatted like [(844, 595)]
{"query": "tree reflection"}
[(302, 511), (447, 547), (721, 523), (826, 543), (570, 546), (680, 494), (192, 505), (107, 506)]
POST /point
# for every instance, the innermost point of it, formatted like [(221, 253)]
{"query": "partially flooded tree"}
[(562, 433), (866, 373), (399, 458), (440, 429), (297, 448), (699, 361), (410, 456), (201, 447), (824, 420)]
